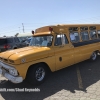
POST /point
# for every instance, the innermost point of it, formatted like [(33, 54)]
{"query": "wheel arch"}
[(45, 65), (15, 48), (93, 56)]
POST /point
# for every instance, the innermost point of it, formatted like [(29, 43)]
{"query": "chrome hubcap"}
[(40, 74), (94, 56)]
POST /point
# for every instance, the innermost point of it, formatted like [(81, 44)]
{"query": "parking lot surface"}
[(78, 82)]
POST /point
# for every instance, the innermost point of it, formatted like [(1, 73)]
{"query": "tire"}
[(36, 75), (15, 47), (93, 56)]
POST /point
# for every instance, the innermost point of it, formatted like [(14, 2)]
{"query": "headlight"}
[(13, 71)]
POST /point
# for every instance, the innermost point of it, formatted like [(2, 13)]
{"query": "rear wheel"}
[(37, 74), (93, 56)]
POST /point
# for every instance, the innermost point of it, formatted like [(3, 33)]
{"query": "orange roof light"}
[(50, 29)]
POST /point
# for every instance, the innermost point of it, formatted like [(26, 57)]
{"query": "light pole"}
[(23, 27)]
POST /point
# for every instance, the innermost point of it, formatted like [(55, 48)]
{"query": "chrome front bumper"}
[(14, 79)]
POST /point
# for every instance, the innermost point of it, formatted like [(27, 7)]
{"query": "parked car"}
[(7, 43)]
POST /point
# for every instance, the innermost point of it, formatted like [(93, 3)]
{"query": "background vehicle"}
[(25, 37), (7, 43)]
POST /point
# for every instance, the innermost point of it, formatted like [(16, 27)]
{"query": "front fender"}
[(22, 68)]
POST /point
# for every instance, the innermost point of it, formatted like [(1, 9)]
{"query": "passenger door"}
[(75, 40), (64, 52)]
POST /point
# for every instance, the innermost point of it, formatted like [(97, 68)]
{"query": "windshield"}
[(41, 41)]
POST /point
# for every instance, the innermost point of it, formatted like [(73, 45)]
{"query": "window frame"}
[(98, 35), (61, 40), (90, 34), (81, 36), (75, 38)]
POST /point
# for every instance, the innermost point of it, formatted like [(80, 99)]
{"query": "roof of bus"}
[(69, 25), (76, 24), (46, 28)]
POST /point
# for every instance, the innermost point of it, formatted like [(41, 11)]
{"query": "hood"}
[(25, 54)]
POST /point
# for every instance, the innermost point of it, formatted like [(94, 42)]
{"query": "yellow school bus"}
[(51, 48)]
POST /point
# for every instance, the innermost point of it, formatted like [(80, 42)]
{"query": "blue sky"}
[(37, 13)]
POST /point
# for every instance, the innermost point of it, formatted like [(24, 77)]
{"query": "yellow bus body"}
[(56, 57)]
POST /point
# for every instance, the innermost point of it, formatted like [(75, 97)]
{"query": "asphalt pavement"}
[(77, 82)]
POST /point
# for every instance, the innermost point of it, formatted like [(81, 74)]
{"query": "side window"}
[(3, 41), (93, 34), (74, 37), (60, 39), (16, 40), (84, 36), (9, 40), (98, 32)]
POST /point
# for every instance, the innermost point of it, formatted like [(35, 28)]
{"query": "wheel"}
[(93, 56), (36, 74)]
